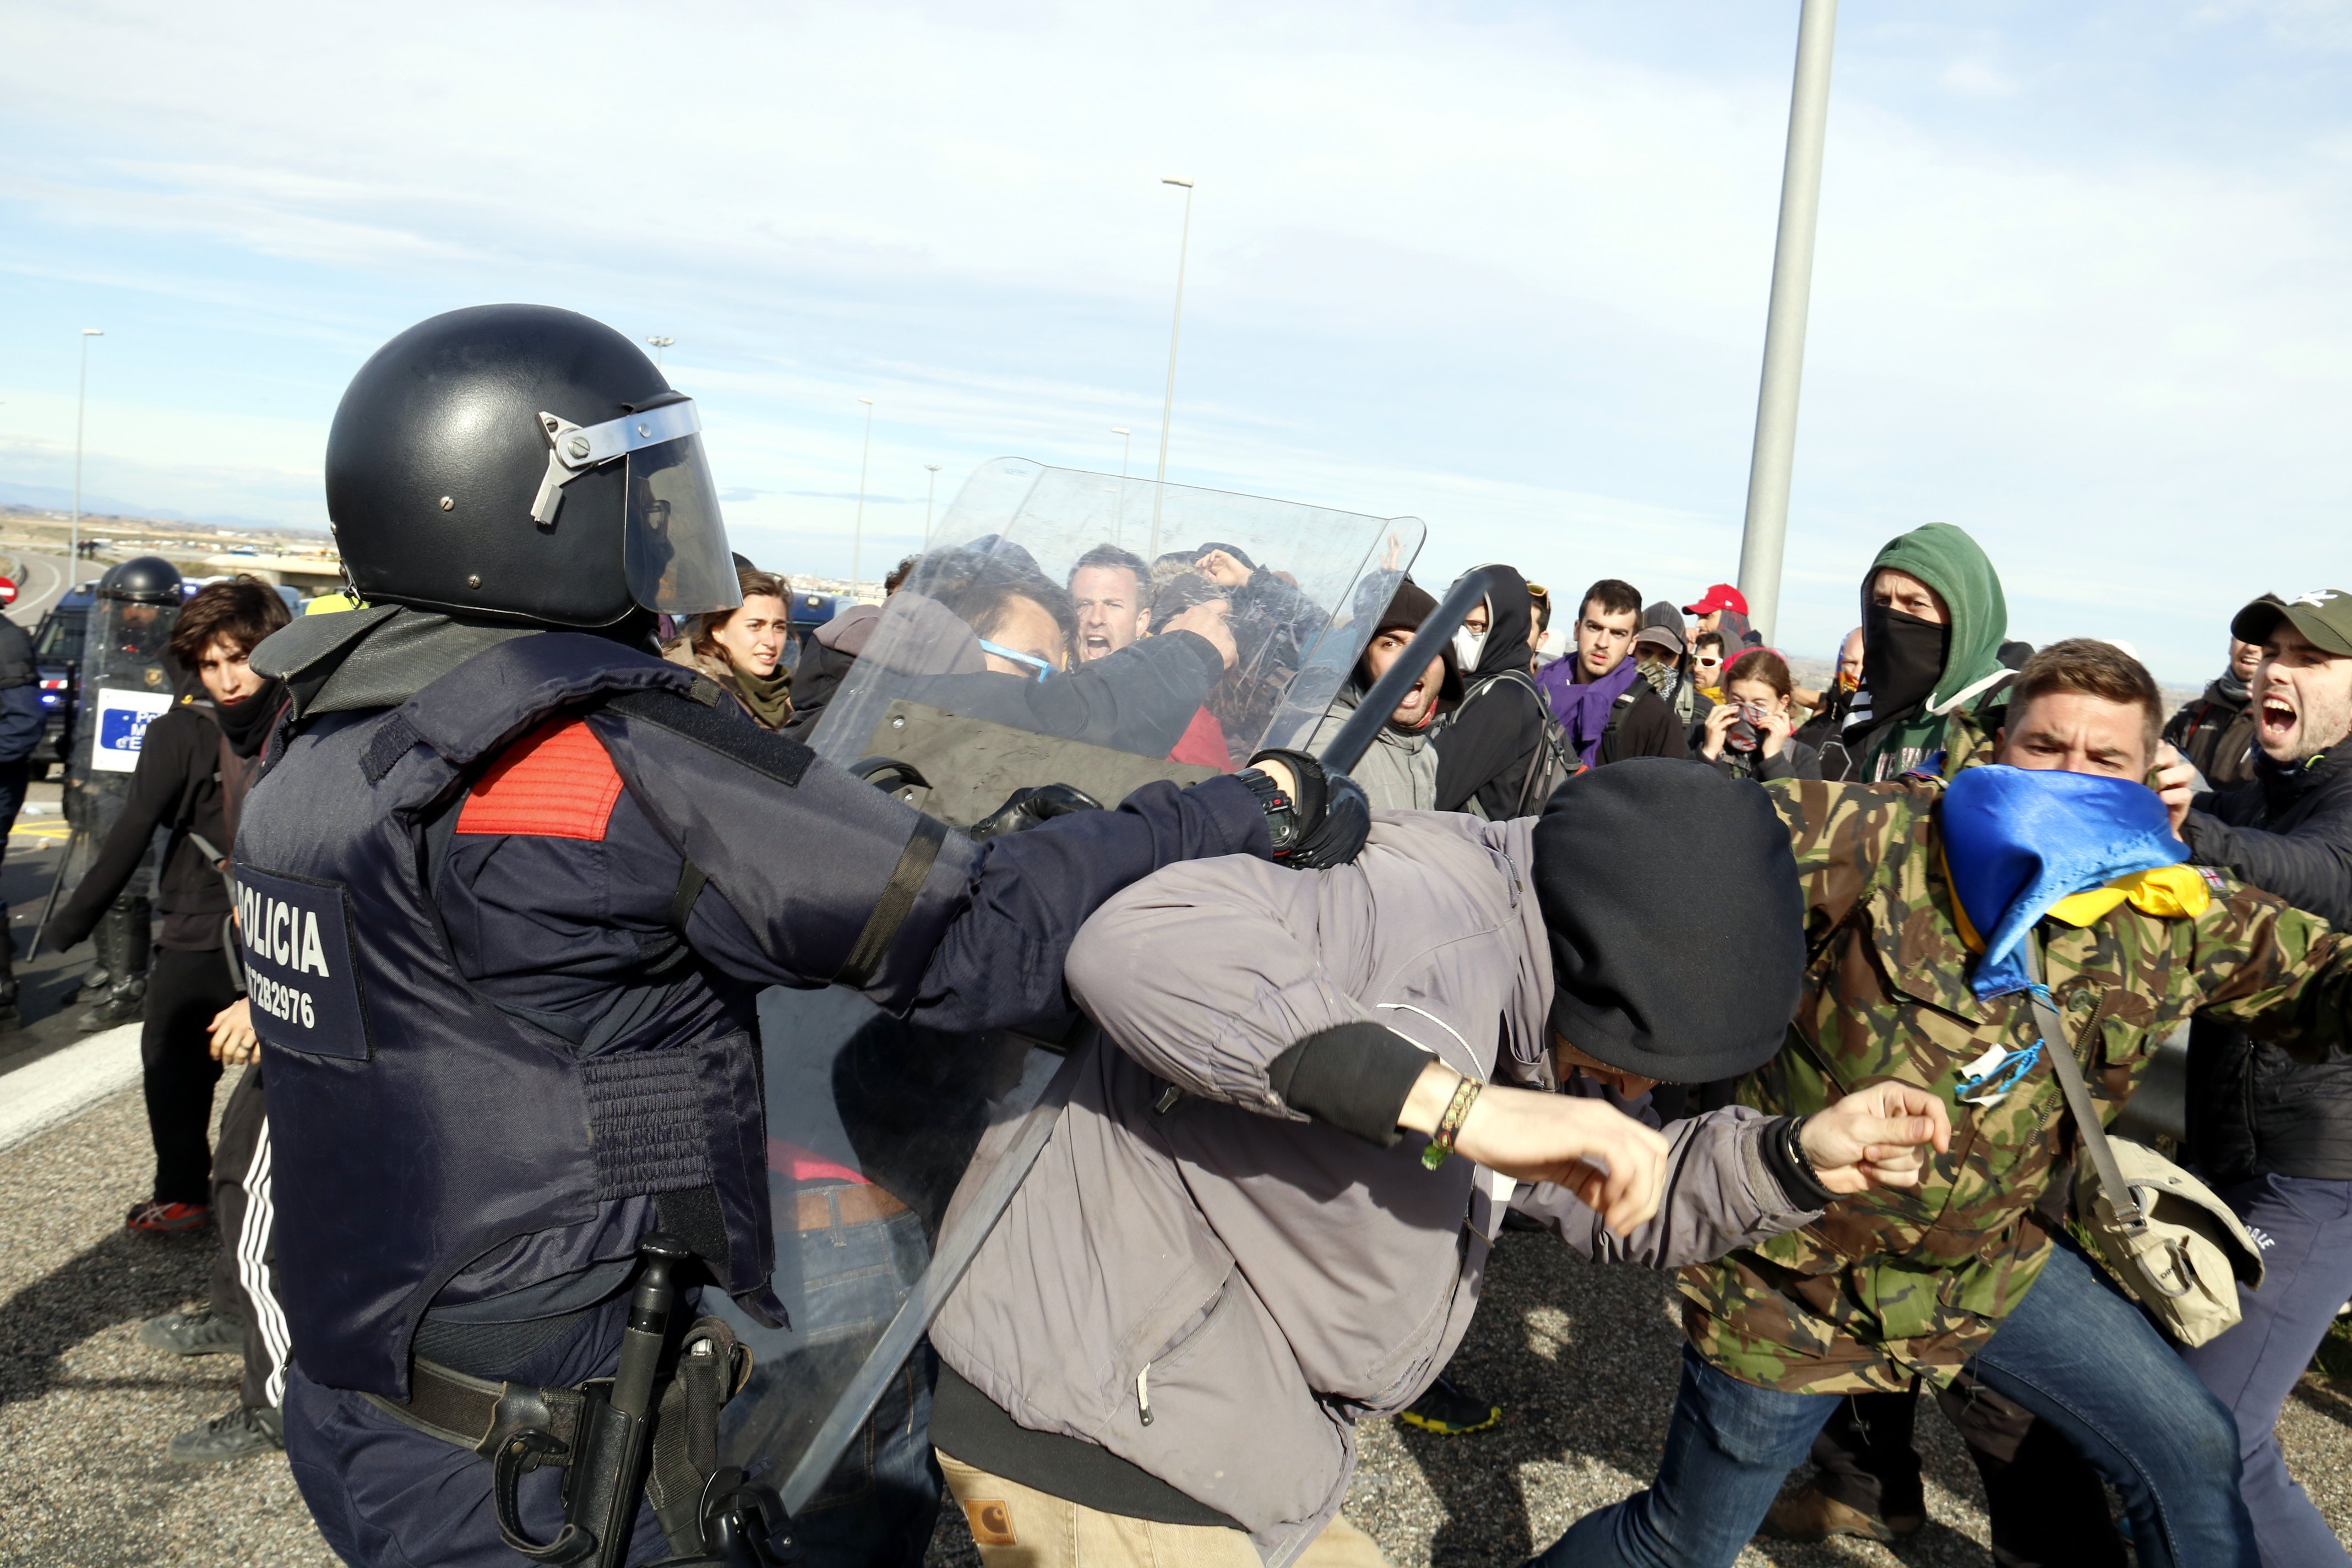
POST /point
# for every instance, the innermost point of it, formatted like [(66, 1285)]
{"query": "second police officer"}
[(508, 892)]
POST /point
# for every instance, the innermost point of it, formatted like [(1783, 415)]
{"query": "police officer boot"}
[(123, 941)]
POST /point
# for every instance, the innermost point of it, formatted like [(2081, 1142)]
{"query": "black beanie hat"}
[(1407, 609), (1635, 863)]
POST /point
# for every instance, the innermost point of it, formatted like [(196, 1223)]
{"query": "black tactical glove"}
[(1324, 825), (1029, 806)]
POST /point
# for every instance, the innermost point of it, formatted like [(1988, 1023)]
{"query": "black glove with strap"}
[(1325, 823), (1029, 806)]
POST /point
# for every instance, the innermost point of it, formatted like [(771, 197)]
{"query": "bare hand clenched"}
[(1616, 1167), (1878, 1135)]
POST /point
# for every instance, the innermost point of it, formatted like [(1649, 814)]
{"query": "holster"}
[(520, 1426)]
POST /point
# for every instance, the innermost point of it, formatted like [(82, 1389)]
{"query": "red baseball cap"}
[(1722, 596)]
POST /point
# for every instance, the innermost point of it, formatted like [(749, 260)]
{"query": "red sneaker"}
[(166, 1219)]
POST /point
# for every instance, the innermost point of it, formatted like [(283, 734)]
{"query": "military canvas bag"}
[(2176, 1249)]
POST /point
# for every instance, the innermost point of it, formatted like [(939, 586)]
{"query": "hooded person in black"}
[(1490, 740)]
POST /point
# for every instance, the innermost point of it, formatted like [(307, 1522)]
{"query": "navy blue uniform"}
[(493, 1065)]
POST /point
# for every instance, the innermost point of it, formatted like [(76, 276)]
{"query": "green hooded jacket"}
[(1944, 557)]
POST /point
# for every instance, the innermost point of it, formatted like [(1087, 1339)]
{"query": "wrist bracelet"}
[(1449, 1126)]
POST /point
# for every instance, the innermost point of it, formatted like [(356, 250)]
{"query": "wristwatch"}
[(1281, 811)]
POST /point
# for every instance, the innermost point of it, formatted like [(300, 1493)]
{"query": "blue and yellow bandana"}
[(2019, 844)]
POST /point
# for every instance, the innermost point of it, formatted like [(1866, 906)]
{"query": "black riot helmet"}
[(142, 580), (521, 463)]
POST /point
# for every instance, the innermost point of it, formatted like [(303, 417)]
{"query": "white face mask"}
[(1466, 646)]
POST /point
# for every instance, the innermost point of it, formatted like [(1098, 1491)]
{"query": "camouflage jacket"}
[(1892, 1282)]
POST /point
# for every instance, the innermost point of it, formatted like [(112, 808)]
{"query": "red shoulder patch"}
[(554, 782)]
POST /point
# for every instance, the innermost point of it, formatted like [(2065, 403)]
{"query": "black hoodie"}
[(2253, 1110), (1489, 741)]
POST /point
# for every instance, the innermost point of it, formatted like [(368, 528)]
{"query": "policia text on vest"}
[(298, 967)]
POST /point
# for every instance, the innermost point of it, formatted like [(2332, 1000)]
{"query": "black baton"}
[(1355, 737)]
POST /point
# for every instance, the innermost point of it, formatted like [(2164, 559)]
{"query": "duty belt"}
[(652, 1427)]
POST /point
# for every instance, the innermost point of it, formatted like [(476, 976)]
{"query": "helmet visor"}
[(675, 547)]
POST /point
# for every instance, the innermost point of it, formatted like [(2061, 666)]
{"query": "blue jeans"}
[(2075, 1352), (2305, 1228)]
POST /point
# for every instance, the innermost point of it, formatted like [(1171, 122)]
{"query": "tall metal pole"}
[(81, 404), (1119, 528), (1766, 535), (929, 490), (857, 536), (659, 343), (1168, 404)]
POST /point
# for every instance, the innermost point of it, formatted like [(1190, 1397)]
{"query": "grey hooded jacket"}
[(1398, 772), (1215, 1289)]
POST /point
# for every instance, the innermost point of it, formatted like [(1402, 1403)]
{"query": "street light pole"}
[(929, 490), (659, 343), (1765, 537), (82, 404), (1118, 529), (857, 537), (1168, 404)]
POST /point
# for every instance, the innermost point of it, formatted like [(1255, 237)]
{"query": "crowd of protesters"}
[(1184, 658)]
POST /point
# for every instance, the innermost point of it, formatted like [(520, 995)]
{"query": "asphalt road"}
[(42, 582), (1584, 1358)]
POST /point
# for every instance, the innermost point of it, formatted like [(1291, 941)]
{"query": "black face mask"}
[(1902, 659), (247, 723)]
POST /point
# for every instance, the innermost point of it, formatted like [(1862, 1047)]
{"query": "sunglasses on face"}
[(1031, 659), (1703, 662)]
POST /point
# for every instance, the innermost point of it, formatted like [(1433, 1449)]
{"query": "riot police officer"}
[(507, 892), (128, 678)]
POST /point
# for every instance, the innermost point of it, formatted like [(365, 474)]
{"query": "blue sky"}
[(2081, 283)]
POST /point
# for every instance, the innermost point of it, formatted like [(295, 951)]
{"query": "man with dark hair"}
[(2215, 729), (1606, 711), (1920, 897), (2273, 1135), (1110, 590)]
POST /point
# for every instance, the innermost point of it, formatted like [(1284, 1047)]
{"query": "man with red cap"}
[(1725, 609)]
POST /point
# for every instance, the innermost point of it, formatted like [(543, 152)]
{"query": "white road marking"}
[(61, 1086)]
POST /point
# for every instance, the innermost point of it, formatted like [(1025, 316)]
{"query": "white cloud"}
[(1973, 78)]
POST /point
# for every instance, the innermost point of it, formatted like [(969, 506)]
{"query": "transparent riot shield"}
[(1032, 644), (127, 679)]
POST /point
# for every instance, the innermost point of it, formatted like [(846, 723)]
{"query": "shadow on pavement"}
[(1585, 1361), (124, 1279)]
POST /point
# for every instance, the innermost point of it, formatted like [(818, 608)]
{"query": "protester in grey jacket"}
[(1400, 772), (1241, 1240)]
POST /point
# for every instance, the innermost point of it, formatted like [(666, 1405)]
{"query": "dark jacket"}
[(1647, 727), (21, 719), (2253, 1110), (177, 787), (1795, 759), (1490, 742), (2216, 731), (1828, 720), (826, 659)]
